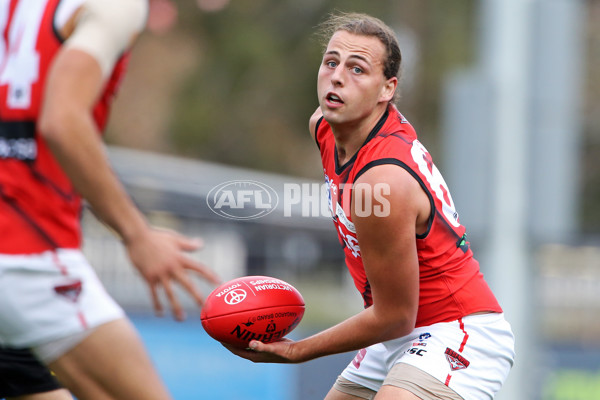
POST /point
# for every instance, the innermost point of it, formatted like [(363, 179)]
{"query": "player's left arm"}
[(96, 35), (386, 232), (388, 208)]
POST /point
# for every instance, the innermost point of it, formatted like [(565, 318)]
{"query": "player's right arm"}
[(100, 34)]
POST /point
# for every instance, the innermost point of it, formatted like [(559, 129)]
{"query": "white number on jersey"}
[(436, 181), (19, 59)]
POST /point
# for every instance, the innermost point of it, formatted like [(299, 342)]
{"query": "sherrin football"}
[(252, 307)]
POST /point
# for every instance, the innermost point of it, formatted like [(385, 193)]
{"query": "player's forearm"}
[(357, 332)]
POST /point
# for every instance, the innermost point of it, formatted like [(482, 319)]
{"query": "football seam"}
[(254, 309)]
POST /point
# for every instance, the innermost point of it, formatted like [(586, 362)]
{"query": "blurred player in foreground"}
[(60, 65), (431, 327)]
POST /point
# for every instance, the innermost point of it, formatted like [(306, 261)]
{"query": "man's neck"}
[(351, 136)]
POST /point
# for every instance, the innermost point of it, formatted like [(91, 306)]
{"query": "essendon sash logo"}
[(69, 290), (455, 360), (359, 357)]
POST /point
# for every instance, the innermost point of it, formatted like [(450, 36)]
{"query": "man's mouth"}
[(334, 98)]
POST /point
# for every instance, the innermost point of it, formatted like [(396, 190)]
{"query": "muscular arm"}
[(388, 244), (95, 34), (388, 248), (66, 123)]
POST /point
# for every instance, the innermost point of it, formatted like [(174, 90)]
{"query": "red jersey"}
[(450, 282), (39, 209)]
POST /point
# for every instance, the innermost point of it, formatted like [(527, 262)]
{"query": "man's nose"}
[(337, 77)]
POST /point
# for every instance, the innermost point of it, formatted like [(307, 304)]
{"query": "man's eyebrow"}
[(336, 53), (360, 58)]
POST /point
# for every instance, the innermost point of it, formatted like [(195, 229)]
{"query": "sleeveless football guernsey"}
[(451, 284)]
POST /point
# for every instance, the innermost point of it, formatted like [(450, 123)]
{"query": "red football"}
[(252, 307)]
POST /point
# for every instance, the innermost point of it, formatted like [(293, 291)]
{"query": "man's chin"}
[(333, 116)]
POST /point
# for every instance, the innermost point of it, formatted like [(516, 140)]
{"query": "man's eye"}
[(331, 64), (357, 70)]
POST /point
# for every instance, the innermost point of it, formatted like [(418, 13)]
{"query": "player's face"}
[(351, 82)]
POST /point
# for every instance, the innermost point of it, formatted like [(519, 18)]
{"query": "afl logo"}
[(236, 296), (242, 199)]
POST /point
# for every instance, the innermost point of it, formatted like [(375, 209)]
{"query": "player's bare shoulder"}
[(388, 184), (312, 123), (102, 28)]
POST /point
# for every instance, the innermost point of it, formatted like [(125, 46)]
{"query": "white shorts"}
[(50, 297), (472, 356)]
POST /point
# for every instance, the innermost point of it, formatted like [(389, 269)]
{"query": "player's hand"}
[(159, 256), (259, 352)]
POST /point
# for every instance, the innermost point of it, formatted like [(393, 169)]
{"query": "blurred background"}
[(505, 95)]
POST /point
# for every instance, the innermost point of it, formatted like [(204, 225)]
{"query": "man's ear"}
[(388, 90)]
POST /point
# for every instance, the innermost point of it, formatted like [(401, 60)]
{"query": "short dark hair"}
[(366, 25)]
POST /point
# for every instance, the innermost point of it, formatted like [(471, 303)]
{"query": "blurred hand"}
[(158, 256), (258, 352)]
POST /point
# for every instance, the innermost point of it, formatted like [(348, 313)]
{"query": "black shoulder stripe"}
[(316, 130), (53, 23), (395, 161)]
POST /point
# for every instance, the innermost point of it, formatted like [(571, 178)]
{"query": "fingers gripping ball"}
[(252, 308)]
